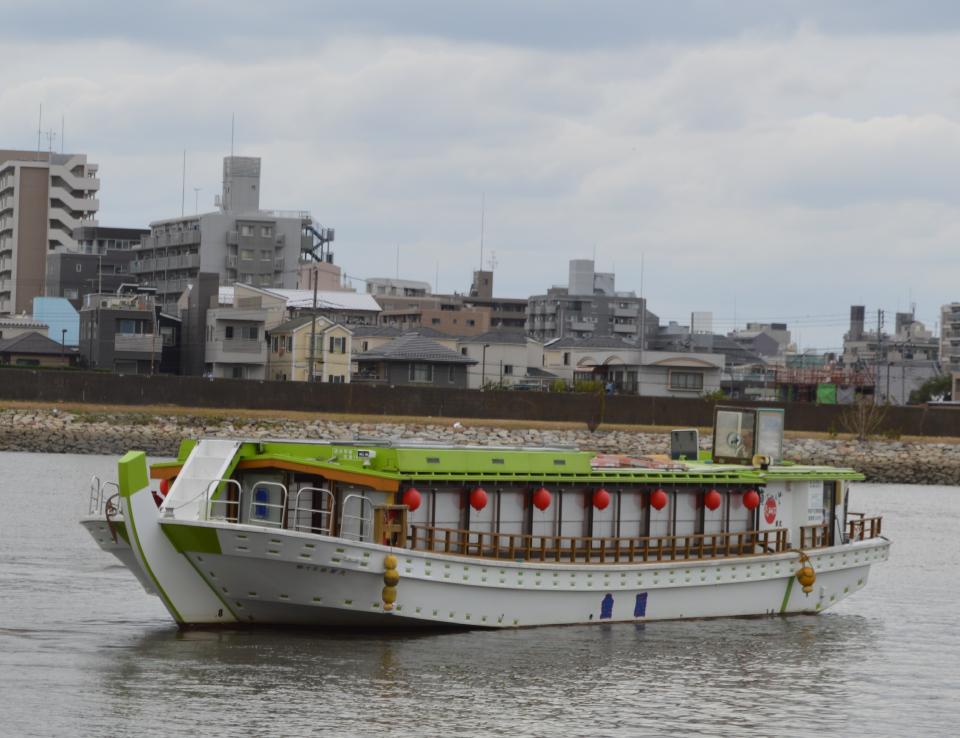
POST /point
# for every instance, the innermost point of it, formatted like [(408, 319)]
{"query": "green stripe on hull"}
[(192, 538), (786, 595), (132, 477)]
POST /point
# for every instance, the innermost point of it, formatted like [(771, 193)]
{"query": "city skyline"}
[(769, 165)]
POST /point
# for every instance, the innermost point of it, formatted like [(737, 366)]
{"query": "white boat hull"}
[(266, 576)]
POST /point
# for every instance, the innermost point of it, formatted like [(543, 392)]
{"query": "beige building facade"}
[(290, 353), (44, 197)]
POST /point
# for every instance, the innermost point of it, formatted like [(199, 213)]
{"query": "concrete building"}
[(239, 242), (589, 306), (44, 197), (909, 341), (505, 312), (504, 358), (13, 326), (409, 305), (121, 333), (101, 263), (290, 354), (388, 287), (328, 276), (950, 337), (226, 328), (769, 340)]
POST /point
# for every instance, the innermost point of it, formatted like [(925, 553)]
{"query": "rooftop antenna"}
[(63, 119), (39, 130), (483, 208), (643, 312), (232, 119), (51, 137), (492, 261), (398, 261), (183, 184), (436, 280)]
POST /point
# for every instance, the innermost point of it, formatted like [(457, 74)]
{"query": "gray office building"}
[(589, 306), (239, 242)]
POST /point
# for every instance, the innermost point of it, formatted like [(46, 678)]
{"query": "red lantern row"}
[(542, 498)]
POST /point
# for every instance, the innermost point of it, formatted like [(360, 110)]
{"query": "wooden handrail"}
[(527, 547), (864, 528), (815, 536)]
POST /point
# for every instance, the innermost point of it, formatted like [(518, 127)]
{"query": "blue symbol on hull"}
[(606, 607), (640, 609)]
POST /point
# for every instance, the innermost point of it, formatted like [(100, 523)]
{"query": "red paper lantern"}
[(478, 498), (411, 498), (164, 487), (601, 499), (751, 500), (712, 499), (542, 498), (658, 499)]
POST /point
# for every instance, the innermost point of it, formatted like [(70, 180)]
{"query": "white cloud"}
[(794, 173)]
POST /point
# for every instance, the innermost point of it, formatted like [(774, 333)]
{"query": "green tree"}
[(938, 387)]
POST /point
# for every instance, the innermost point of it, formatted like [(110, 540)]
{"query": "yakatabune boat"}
[(380, 534)]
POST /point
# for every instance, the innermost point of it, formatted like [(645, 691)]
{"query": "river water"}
[(84, 652)]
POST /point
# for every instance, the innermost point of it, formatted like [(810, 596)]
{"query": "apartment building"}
[(44, 198), (121, 333), (239, 242), (589, 306), (100, 264), (950, 337), (409, 305), (908, 341)]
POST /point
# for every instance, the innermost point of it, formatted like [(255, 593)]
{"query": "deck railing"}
[(526, 547), (860, 528), (815, 536)]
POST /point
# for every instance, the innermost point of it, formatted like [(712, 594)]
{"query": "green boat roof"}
[(401, 461)]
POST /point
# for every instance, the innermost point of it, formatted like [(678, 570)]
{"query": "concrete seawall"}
[(57, 431)]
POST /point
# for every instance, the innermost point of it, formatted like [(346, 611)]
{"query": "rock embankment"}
[(56, 431)]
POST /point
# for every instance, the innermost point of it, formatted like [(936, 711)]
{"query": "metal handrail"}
[(282, 507), (361, 518), (96, 497), (209, 503), (98, 494), (325, 514)]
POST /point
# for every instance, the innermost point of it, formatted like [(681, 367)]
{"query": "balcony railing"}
[(140, 344)]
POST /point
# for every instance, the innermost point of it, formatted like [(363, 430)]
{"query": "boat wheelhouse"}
[(391, 534)]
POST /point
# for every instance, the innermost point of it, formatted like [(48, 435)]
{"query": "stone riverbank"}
[(58, 431)]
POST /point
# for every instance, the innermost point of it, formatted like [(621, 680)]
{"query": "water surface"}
[(83, 651)]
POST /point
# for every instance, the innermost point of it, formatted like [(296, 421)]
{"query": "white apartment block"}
[(44, 197), (239, 242), (950, 337)]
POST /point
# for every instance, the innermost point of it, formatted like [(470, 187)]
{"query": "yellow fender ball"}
[(389, 561), (391, 577), (389, 594)]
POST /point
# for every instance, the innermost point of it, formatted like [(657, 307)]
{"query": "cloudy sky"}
[(763, 159)]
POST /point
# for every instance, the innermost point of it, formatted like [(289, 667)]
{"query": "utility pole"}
[(313, 328), (876, 386)]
